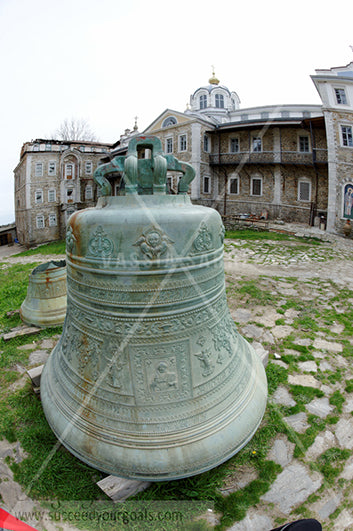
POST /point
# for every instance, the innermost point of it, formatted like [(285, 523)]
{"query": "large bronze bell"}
[(150, 379)]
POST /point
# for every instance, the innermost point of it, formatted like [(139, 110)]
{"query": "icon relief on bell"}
[(115, 368), (203, 240), (70, 239), (205, 362), (153, 243), (163, 379), (100, 245)]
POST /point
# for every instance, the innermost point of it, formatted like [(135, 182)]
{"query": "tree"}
[(75, 129)]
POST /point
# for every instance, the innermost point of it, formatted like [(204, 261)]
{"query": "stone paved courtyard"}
[(302, 319), (293, 302)]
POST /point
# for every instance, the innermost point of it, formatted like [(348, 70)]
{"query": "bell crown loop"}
[(143, 175)]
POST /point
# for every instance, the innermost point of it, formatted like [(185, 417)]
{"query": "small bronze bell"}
[(150, 379), (45, 302)]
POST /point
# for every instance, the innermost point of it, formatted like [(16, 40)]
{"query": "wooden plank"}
[(119, 489), (35, 375), (23, 331)]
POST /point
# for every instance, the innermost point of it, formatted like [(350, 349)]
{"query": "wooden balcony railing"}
[(318, 156)]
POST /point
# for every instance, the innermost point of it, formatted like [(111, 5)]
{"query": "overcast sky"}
[(107, 61)]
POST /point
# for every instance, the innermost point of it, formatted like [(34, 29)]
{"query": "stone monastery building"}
[(289, 162)]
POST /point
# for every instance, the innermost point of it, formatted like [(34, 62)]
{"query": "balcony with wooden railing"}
[(317, 156)]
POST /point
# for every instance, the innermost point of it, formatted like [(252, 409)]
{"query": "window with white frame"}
[(169, 145), (36, 147), (38, 169), (38, 195), (52, 168), (304, 190), (52, 220), (256, 186), (69, 171), (203, 101), (257, 144), (206, 143), (51, 195), (182, 143), (40, 221), (219, 99), (70, 195), (48, 147), (347, 138), (89, 192), (234, 185), (340, 96), (206, 185), (234, 145), (88, 167), (304, 145)]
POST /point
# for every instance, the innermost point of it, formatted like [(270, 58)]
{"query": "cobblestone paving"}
[(301, 313)]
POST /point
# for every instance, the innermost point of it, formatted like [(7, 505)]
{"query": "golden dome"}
[(213, 80)]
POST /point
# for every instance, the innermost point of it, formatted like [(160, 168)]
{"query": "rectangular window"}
[(203, 101), (347, 138), (52, 168), (234, 145), (70, 195), (169, 145), (234, 186), (206, 185), (88, 167), (89, 192), (48, 147), (206, 144), (69, 171), (304, 144), (51, 195), (256, 186), (340, 96), (304, 191), (52, 220), (256, 144), (40, 222), (38, 196), (39, 169), (182, 143), (219, 101)]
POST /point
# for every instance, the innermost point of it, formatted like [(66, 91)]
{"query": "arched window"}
[(219, 101), (203, 101), (169, 121)]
